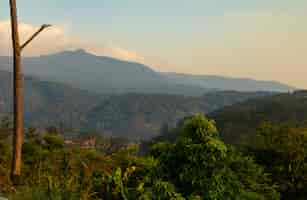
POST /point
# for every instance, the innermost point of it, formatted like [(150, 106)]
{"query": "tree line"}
[(197, 164)]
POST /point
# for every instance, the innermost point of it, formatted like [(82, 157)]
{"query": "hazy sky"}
[(261, 39)]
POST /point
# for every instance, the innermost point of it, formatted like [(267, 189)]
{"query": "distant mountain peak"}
[(104, 74), (77, 52), (80, 51)]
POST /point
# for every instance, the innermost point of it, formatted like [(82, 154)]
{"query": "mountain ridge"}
[(230, 83), (133, 115), (108, 75)]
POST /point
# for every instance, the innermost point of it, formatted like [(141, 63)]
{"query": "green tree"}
[(53, 142), (282, 149), (199, 164)]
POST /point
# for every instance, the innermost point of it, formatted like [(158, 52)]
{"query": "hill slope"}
[(223, 83), (135, 116), (142, 116), (240, 120), (47, 103)]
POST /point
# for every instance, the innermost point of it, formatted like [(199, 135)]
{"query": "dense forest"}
[(197, 165), (135, 116), (141, 116), (252, 146), (240, 120), (47, 102)]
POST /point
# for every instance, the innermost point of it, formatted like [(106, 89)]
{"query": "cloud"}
[(57, 38)]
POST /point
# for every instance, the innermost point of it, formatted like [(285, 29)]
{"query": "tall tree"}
[(17, 139), (18, 126)]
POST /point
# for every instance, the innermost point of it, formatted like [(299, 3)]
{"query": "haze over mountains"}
[(134, 116), (107, 75), (47, 103), (79, 90), (224, 83)]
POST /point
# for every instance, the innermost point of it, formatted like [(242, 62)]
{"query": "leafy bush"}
[(199, 163)]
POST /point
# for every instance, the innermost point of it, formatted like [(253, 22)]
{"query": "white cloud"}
[(56, 39)]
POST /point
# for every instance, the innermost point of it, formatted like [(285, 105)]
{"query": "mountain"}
[(142, 116), (223, 83), (240, 120), (101, 74), (135, 116), (107, 75)]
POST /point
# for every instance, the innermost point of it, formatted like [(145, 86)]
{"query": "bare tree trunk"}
[(17, 138)]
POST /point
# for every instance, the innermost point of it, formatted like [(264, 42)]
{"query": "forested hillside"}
[(240, 120), (135, 116), (142, 116), (47, 103)]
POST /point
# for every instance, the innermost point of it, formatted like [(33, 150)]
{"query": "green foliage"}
[(199, 163), (282, 149), (53, 142), (199, 129), (161, 190), (5, 154), (240, 121)]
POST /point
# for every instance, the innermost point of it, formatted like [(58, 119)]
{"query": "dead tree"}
[(18, 120), (17, 138)]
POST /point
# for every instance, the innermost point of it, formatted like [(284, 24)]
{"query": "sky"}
[(259, 39)]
